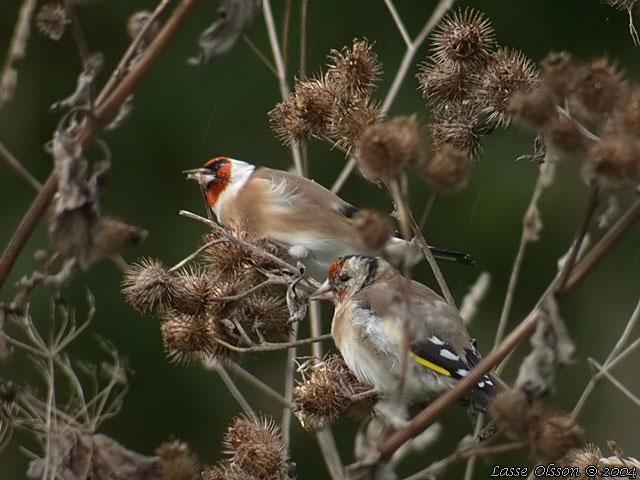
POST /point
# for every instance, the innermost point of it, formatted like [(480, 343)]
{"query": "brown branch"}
[(271, 347), (105, 111)]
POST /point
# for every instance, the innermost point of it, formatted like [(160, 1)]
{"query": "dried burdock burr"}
[(564, 133), (597, 90), (350, 117), (194, 291), (457, 127), (513, 412), (388, 148), (148, 285), (327, 391), (176, 461), (268, 313), (288, 124), (552, 436), (375, 228), (447, 169), (588, 454), (559, 72), (226, 471), (187, 337), (614, 160), (463, 37), (533, 108), (508, 71), (254, 444), (445, 83), (354, 70), (52, 20), (112, 236)]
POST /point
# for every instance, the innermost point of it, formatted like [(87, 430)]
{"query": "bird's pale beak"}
[(197, 174), (325, 292)]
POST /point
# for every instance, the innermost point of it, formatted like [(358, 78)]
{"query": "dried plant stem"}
[(436, 468), (271, 347), (187, 259), (399, 23), (330, 453), (18, 167), (259, 384), (441, 9), (233, 389), (285, 30), (289, 380), (104, 112), (611, 360), (618, 384), (260, 55)]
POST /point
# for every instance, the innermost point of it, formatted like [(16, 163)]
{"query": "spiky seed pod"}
[(513, 412), (226, 471), (588, 454), (445, 83), (458, 127), (559, 72), (554, 435), (255, 445), (268, 313), (177, 462), (532, 108), (186, 338), (629, 117), (463, 37), (112, 236), (614, 161), (354, 70), (508, 71), (597, 91), (375, 228), (447, 169), (565, 134), (307, 112), (52, 20), (350, 117), (388, 148), (193, 293), (148, 286), (327, 392)]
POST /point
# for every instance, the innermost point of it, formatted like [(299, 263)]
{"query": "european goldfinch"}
[(314, 224), (372, 301)]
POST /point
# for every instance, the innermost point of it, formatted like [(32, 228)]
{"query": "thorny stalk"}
[(439, 12)]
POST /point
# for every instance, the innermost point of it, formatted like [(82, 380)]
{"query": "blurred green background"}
[(183, 116)]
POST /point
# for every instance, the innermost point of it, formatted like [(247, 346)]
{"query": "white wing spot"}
[(481, 384), (489, 382), (449, 355), (463, 372), (436, 340)]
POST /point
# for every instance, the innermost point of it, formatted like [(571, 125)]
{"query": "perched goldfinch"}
[(371, 301), (314, 224)]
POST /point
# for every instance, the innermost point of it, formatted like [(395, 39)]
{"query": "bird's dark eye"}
[(344, 278)]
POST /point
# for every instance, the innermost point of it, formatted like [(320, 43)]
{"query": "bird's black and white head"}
[(220, 178), (349, 274)]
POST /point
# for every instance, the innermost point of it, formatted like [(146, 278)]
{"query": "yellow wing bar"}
[(430, 365)]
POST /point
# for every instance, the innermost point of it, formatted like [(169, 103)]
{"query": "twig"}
[(285, 31), (439, 12), (615, 381), (398, 21), (289, 369), (256, 382), (232, 388), (260, 55), (18, 167), (271, 347), (187, 259), (104, 112)]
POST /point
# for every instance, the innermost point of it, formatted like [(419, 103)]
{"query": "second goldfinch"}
[(314, 224), (372, 301)]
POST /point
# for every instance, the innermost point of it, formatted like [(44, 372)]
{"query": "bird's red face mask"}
[(213, 178), (331, 288)]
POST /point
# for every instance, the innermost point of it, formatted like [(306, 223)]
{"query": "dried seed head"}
[(508, 71), (112, 236), (137, 22), (463, 37), (445, 83), (229, 260), (307, 112), (513, 412), (553, 436), (559, 72), (52, 20), (226, 471), (326, 392), (255, 446), (148, 286), (356, 69), (564, 133), (194, 289), (614, 161), (375, 228), (597, 90), (448, 169), (457, 127), (186, 338), (350, 117), (388, 148), (588, 454), (268, 313), (177, 462), (621, 4), (533, 108)]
